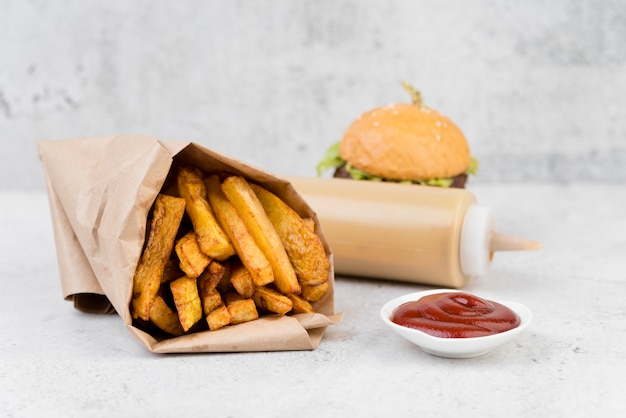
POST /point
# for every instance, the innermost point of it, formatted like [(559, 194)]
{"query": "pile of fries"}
[(221, 250)]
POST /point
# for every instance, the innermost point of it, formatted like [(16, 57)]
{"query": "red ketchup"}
[(455, 315)]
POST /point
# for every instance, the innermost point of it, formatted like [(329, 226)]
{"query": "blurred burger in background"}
[(408, 143)]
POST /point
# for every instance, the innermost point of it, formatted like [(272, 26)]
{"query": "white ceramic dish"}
[(453, 347)]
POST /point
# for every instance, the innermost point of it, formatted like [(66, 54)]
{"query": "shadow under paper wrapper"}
[(92, 303)]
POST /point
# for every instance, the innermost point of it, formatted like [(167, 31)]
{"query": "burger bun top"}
[(406, 142)]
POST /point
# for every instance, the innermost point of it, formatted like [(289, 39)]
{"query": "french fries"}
[(219, 318), (211, 300), (242, 282), (240, 309), (172, 271), (300, 305), (272, 301), (212, 276), (165, 318), (314, 293), (303, 246), (211, 238), (247, 249), (192, 260), (247, 205), (166, 216), (222, 252), (310, 223), (187, 300)]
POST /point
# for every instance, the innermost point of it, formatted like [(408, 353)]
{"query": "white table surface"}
[(55, 361)]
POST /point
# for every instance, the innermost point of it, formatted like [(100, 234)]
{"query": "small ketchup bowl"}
[(453, 347)]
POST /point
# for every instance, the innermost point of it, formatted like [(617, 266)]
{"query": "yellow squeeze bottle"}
[(405, 232)]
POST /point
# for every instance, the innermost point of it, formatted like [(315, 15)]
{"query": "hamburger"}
[(402, 142)]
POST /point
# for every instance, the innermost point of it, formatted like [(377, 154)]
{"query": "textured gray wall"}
[(538, 87)]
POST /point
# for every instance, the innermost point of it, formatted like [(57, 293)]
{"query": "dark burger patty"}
[(457, 181)]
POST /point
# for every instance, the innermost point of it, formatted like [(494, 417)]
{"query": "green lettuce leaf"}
[(444, 182), (472, 168), (332, 160)]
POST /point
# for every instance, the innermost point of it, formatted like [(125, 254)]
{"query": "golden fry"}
[(187, 300), (310, 223), (210, 301), (300, 305), (210, 298), (247, 249), (172, 270), (304, 247), (218, 318), (207, 283), (165, 318), (213, 274), (241, 280), (240, 309), (166, 216), (314, 293), (271, 300), (224, 285), (231, 297), (211, 238), (192, 260), (247, 205)]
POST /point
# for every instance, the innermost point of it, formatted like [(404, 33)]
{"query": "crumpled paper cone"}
[(101, 191)]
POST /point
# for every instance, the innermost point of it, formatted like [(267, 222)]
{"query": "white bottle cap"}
[(478, 225), (479, 240)]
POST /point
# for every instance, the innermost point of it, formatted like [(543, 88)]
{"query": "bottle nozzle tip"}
[(502, 242)]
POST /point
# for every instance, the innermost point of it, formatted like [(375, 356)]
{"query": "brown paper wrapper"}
[(100, 192)]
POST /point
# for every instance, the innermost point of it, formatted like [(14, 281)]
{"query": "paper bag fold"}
[(100, 192)]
